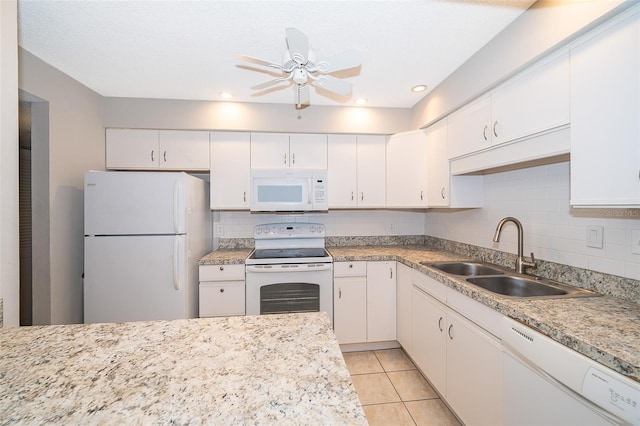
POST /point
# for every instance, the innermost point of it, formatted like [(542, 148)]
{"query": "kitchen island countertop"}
[(284, 369)]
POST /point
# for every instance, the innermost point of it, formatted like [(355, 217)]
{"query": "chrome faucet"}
[(521, 263)]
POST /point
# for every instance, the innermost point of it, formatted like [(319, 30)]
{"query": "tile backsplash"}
[(539, 198)]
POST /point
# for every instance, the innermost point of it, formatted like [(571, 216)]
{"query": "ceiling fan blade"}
[(302, 95), (268, 83), (333, 84), (258, 61), (339, 62), (298, 44)]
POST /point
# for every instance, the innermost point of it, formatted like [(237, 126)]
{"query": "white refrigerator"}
[(144, 233)]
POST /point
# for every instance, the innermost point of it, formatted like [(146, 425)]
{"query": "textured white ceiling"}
[(186, 49)]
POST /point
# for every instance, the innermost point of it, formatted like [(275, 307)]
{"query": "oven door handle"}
[(314, 267)]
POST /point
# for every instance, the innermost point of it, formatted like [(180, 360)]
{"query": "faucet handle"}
[(533, 261)]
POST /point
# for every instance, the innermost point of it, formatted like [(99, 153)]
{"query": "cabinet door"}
[(429, 343), (269, 150), (230, 170), (342, 171), (132, 149), (470, 128), (403, 307), (308, 151), (381, 301), (605, 129), (221, 298), (184, 150), (437, 165), (371, 157), (407, 170), (474, 372), (538, 99), (350, 309)]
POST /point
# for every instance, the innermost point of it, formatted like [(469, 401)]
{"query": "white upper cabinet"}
[(605, 117), (445, 190), (470, 128), (141, 149), (536, 100), (407, 170), (230, 170), (282, 150), (356, 166), (184, 149), (533, 102)]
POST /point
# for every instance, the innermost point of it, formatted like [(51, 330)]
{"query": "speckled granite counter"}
[(605, 329), (602, 328), (226, 257), (284, 369)]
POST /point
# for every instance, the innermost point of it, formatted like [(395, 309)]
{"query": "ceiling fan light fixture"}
[(419, 88)]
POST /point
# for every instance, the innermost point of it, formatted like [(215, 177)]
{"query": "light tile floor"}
[(393, 392)]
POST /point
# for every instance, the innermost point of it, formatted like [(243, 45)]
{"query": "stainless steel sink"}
[(463, 268), (519, 287)]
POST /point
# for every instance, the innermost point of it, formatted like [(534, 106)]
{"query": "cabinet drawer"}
[(221, 272), (350, 269), (221, 298)]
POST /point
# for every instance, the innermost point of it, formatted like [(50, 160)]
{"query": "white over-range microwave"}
[(288, 190)]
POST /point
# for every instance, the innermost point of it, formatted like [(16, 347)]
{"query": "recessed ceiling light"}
[(361, 101), (419, 88), (226, 95)]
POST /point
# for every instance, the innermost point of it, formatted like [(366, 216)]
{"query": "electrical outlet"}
[(595, 236), (635, 241), (218, 229)]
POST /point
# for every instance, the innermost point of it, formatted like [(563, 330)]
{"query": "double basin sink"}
[(507, 284)]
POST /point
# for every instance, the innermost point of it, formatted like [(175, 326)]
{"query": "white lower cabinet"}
[(403, 306), (462, 360), (222, 290), (350, 302), (364, 307)]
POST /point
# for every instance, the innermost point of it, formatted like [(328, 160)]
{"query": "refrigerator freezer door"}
[(134, 203), (136, 278)]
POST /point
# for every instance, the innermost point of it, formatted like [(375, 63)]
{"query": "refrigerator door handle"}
[(176, 246)]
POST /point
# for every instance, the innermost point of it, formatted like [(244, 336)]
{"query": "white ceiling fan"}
[(301, 68)]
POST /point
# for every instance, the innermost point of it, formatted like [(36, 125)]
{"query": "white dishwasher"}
[(547, 383)]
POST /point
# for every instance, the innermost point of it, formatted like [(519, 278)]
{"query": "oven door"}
[(285, 288)]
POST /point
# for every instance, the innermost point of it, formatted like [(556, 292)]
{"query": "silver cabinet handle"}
[(440, 324), (449, 331), (421, 197), (362, 196), (244, 196), (222, 290), (442, 192), (339, 293), (350, 265), (222, 268), (351, 195), (165, 156), (293, 158), (391, 273), (484, 132), (152, 155), (285, 158), (495, 124)]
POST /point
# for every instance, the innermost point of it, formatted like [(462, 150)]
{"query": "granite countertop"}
[(284, 369), (603, 328)]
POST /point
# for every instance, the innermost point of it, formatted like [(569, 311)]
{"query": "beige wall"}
[(547, 24), (180, 114), (9, 271), (76, 144)]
